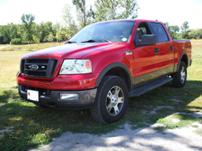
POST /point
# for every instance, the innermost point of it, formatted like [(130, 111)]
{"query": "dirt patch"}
[(128, 139), (158, 108)]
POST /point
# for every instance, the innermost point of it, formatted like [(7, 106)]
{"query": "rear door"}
[(164, 49)]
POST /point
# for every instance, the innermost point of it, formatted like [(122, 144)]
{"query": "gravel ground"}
[(128, 139)]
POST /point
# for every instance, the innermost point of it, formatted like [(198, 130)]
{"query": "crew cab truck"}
[(104, 64)]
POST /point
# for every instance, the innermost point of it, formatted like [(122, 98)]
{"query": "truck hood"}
[(76, 50)]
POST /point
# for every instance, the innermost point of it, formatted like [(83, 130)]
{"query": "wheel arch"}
[(117, 69), (182, 58)]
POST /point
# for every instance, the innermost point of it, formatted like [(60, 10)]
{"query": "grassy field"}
[(24, 126)]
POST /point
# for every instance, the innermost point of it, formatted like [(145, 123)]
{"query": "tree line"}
[(184, 32), (30, 32)]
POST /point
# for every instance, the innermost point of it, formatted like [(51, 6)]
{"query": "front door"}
[(145, 57)]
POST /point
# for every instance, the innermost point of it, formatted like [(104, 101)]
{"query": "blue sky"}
[(172, 11)]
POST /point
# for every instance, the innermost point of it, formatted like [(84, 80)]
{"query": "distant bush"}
[(3, 40), (195, 34), (35, 39), (16, 41)]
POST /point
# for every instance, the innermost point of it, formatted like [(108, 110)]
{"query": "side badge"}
[(129, 53)]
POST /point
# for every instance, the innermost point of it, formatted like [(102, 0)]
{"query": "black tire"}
[(106, 99), (180, 78)]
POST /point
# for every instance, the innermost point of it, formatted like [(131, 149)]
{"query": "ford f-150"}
[(103, 65)]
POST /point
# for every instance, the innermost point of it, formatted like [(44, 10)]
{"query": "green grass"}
[(30, 47), (32, 126)]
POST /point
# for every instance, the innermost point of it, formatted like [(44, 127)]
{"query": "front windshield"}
[(118, 31)]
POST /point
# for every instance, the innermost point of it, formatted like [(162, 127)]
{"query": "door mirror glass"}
[(147, 39)]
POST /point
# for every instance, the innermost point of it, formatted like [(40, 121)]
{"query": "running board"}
[(149, 86)]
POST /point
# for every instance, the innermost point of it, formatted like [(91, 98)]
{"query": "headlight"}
[(76, 66)]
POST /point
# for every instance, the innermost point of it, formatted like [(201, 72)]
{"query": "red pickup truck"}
[(103, 65)]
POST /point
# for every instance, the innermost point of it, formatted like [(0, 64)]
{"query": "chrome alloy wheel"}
[(114, 101), (182, 75)]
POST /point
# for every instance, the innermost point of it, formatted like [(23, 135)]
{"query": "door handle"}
[(171, 48), (156, 51)]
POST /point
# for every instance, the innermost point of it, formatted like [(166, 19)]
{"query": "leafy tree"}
[(9, 32), (69, 20), (81, 6), (62, 34), (185, 29), (115, 9), (85, 15), (67, 16), (174, 31), (185, 26), (45, 30), (91, 15), (28, 21), (3, 35), (130, 9), (107, 9), (12, 31)]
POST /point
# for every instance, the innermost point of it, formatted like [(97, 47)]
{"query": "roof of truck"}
[(132, 20)]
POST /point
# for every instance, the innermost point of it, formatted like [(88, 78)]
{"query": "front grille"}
[(38, 67)]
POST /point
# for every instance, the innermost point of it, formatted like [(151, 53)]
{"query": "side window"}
[(143, 29), (159, 31)]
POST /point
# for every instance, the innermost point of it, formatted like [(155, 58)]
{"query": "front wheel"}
[(180, 78), (111, 100)]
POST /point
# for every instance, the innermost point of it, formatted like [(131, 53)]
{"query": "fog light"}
[(69, 97)]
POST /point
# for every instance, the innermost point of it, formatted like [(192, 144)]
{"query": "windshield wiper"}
[(69, 42), (93, 40), (90, 40)]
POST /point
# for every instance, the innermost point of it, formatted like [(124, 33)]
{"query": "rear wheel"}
[(111, 100), (180, 78)]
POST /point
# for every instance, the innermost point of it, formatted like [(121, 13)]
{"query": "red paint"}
[(143, 61)]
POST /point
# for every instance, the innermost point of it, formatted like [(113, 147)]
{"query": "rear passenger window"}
[(160, 32)]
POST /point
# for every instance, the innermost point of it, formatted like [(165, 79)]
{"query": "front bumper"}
[(61, 82), (85, 98)]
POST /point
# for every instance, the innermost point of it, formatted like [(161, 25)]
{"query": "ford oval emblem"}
[(33, 67)]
